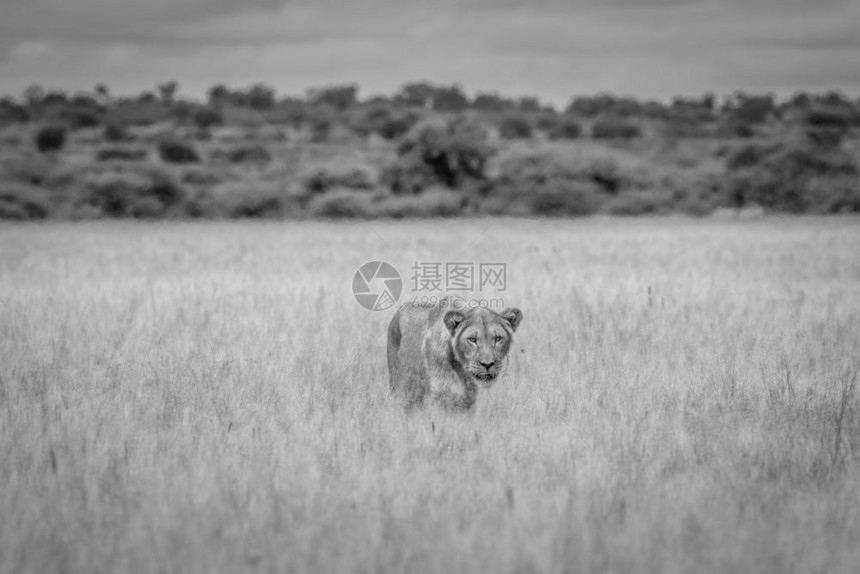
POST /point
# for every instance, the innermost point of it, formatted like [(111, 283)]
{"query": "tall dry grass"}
[(209, 398)]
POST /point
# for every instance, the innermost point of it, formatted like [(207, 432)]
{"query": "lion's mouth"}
[(484, 376)]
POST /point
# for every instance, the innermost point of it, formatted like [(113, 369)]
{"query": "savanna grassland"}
[(208, 397)]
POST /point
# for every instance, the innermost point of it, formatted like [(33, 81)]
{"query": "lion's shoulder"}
[(416, 322)]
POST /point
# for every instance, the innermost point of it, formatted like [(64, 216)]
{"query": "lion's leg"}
[(394, 363), (448, 390)]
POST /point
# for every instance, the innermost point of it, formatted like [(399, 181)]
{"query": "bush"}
[(565, 198), (436, 202), (520, 172), (342, 204), (752, 109), (12, 112), (129, 190), (515, 126), (31, 169), (615, 128), (79, 118), (206, 118), (747, 155), (383, 120), (566, 128), (344, 175), (172, 150), (606, 174), (683, 126), (447, 153), (244, 199), (408, 177), (734, 128), (694, 192), (122, 154), (116, 132), (198, 175), (23, 202), (827, 127), (838, 194), (397, 125), (796, 178), (321, 128), (547, 120), (50, 138), (637, 202), (251, 153)]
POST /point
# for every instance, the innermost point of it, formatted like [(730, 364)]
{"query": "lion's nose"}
[(487, 365)]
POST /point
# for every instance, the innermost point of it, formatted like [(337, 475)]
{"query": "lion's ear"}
[(513, 316), (453, 319)]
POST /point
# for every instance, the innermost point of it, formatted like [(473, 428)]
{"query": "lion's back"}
[(406, 333)]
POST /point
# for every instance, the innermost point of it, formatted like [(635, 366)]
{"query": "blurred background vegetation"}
[(426, 151)]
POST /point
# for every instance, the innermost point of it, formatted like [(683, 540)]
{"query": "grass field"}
[(682, 397)]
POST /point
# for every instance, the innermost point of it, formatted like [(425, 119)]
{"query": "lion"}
[(446, 351)]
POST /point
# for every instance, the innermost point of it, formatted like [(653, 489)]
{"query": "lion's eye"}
[(473, 339), (498, 338)]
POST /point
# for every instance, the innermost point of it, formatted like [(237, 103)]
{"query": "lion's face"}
[(481, 339)]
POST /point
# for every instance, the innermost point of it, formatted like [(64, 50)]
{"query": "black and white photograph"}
[(430, 286)]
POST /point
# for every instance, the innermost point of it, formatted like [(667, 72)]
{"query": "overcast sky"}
[(550, 48)]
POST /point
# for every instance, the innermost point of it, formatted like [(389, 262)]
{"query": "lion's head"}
[(480, 339)]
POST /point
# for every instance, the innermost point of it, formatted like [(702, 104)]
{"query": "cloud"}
[(98, 21), (553, 48)]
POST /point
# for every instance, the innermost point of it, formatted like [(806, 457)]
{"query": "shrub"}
[(244, 199), (436, 202), (340, 174), (408, 177), (198, 175), (683, 126), (321, 128), (751, 108), (122, 153), (547, 120), (829, 118), (31, 169), (140, 112), (398, 125), (515, 126), (50, 138), (605, 173), (734, 128), (796, 178), (172, 150), (206, 118), (837, 194), (694, 192), (449, 153), (116, 132), (129, 190), (521, 172), (827, 127), (250, 153), (13, 112), (79, 118), (565, 128), (342, 204), (611, 127), (747, 155), (383, 120), (19, 201), (637, 202), (565, 198)]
